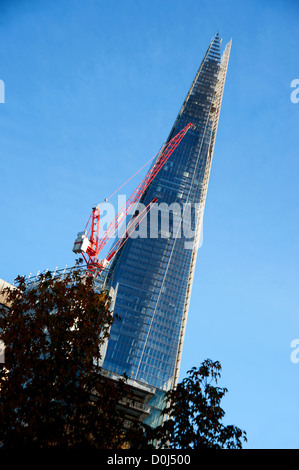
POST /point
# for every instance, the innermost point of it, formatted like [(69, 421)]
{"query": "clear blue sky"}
[(91, 92)]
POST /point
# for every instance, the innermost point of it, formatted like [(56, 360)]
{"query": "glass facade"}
[(153, 273)]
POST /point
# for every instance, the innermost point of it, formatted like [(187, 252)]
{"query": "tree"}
[(52, 392), (193, 413), (51, 389)]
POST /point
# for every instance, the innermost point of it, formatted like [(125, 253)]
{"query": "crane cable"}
[(132, 176)]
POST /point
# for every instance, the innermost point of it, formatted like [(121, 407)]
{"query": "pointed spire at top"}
[(217, 39), (214, 47)]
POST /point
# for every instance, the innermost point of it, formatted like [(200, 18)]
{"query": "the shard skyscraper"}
[(153, 275)]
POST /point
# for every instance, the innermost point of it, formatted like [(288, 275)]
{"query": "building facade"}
[(153, 274)]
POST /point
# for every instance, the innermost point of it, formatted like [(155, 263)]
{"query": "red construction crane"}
[(89, 244), (132, 225)]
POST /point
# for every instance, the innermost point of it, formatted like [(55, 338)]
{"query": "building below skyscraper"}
[(153, 274)]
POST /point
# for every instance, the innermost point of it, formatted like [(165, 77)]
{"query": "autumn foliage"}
[(195, 417), (51, 390)]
